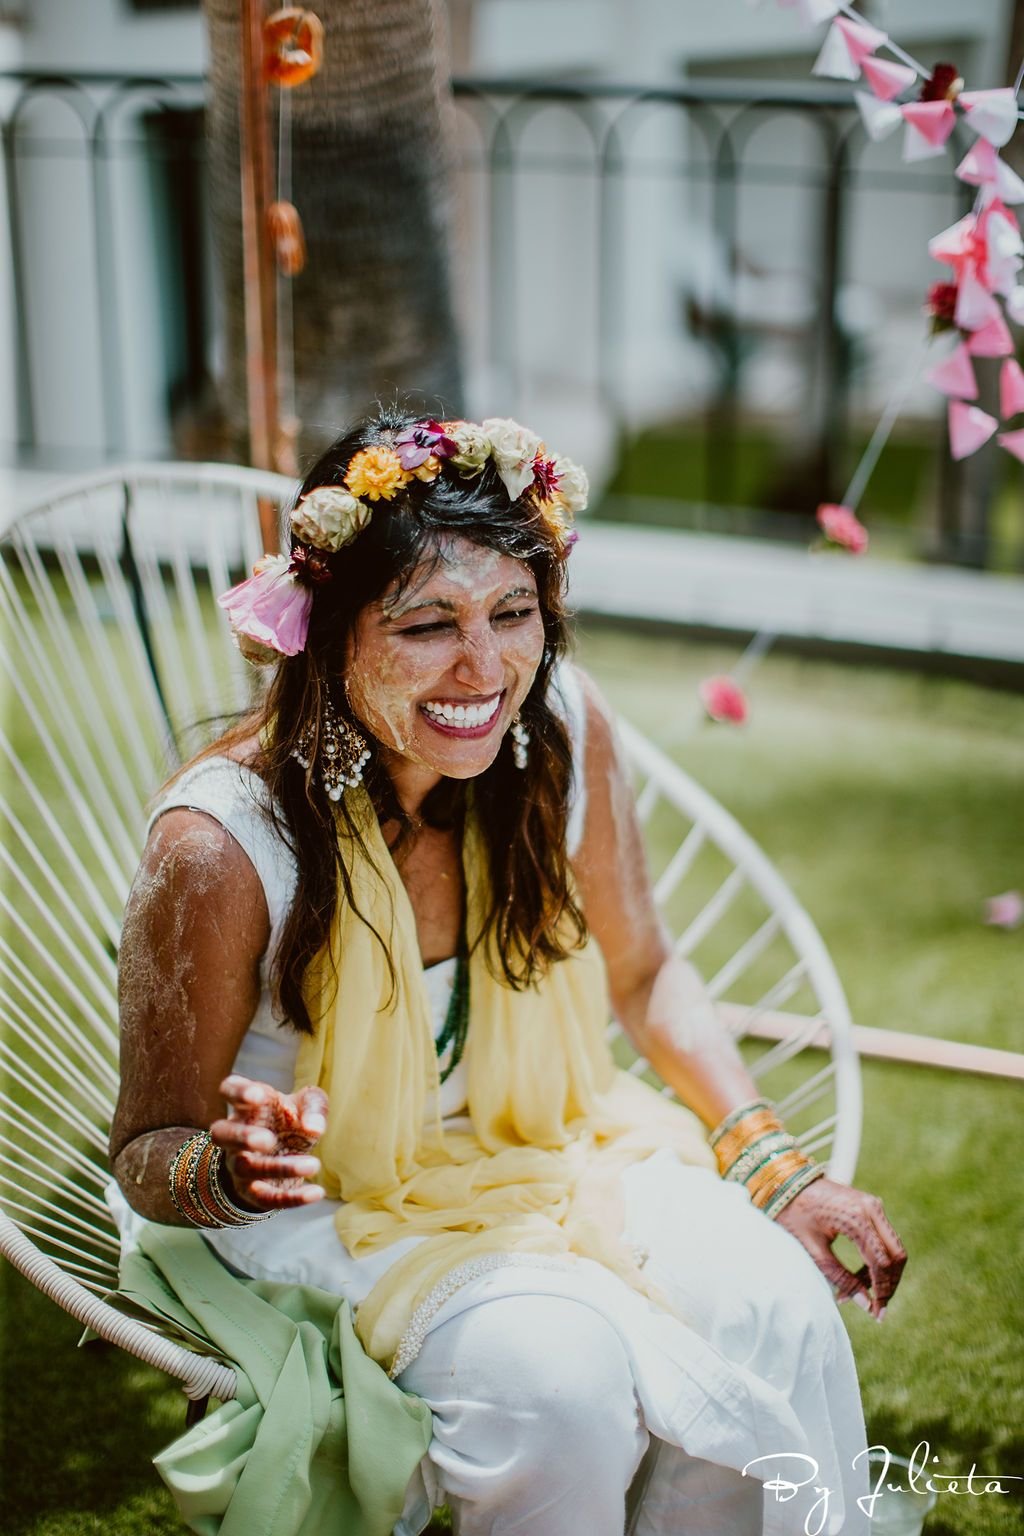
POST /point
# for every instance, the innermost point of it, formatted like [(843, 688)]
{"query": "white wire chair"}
[(114, 649)]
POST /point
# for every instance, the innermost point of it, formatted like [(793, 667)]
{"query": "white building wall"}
[(59, 237), (110, 35)]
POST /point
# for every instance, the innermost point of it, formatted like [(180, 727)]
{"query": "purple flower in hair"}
[(415, 445)]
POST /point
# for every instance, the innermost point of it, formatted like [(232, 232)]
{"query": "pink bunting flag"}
[(929, 125), (955, 375), (888, 79), (1004, 248), (954, 245), (1013, 442), (834, 60), (1015, 305), (860, 38), (982, 167), (1011, 389), (975, 306), (992, 114), (993, 339), (847, 44), (969, 428), (880, 118)]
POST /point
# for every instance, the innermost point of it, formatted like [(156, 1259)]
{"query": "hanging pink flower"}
[(1005, 911), (842, 527), (272, 607), (723, 699)]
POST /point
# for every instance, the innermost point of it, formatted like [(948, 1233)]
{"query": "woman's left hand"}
[(823, 1211)]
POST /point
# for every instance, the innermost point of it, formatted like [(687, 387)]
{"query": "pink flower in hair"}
[(841, 526), (423, 439), (723, 699), (271, 608)]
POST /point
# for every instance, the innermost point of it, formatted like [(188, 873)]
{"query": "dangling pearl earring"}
[(520, 741), (344, 752)]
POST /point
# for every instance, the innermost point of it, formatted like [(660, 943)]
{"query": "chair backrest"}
[(113, 650)]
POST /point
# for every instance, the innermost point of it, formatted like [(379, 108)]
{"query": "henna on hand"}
[(266, 1137), (823, 1211)]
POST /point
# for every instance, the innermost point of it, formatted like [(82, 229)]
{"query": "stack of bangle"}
[(754, 1148), (197, 1192)]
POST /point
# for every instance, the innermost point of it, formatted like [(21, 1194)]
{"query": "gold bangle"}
[(181, 1182), (742, 1128), (196, 1190), (789, 1160), (735, 1115), (232, 1215), (757, 1154), (772, 1179), (736, 1141)]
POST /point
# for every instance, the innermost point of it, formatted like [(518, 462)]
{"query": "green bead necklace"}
[(456, 1020)]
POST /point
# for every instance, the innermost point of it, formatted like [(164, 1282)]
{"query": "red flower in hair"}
[(545, 479), (310, 566)]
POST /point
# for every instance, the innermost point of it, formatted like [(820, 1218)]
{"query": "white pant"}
[(537, 1432), (548, 1389)]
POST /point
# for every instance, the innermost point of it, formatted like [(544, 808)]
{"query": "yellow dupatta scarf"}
[(553, 1120)]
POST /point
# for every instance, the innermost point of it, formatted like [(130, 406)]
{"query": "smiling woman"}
[(387, 917), (448, 667)]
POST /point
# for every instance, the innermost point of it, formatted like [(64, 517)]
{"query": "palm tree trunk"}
[(371, 159)]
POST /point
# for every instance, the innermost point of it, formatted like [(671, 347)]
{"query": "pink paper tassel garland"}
[(969, 428)]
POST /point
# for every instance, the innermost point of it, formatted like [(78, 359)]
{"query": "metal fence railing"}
[(696, 252)]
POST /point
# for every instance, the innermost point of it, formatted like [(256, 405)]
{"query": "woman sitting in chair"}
[(388, 917)]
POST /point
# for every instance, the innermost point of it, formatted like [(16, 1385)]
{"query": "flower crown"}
[(269, 612)]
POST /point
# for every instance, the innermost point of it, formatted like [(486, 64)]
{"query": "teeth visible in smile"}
[(466, 715)]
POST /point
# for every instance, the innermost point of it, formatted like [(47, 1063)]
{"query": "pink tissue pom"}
[(723, 699), (271, 607), (842, 526), (1005, 911)]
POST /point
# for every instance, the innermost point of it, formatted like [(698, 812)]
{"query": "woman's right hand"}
[(266, 1138)]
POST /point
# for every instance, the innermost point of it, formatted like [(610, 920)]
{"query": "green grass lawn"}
[(891, 803), (683, 474)]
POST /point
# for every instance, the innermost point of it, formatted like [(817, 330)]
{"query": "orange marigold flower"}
[(376, 473)]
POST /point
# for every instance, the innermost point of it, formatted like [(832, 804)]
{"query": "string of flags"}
[(984, 250)]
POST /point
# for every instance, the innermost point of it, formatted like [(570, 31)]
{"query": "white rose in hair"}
[(513, 449), (474, 447), (329, 517), (573, 485)]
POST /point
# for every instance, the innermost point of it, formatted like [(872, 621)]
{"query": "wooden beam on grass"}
[(881, 1044)]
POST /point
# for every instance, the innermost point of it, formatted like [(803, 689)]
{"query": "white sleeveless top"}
[(238, 799)]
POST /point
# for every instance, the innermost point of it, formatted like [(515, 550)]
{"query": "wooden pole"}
[(881, 1044), (257, 261)]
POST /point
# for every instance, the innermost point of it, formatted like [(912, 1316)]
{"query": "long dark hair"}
[(533, 919)]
